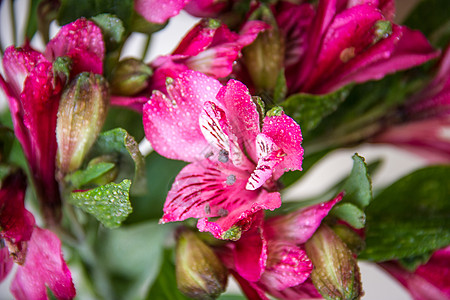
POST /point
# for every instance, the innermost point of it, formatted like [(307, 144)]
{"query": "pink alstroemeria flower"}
[(33, 89), (427, 127), (36, 250), (341, 42), (236, 156), (206, 8), (430, 281), (159, 12), (209, 47), (270, 257)]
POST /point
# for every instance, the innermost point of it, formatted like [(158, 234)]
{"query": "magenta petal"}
[(250, 289), (82, 41), (197, 39), (297, 227), (243, 213), (287, 265), (134, 103), (16, 222), (205, 8), (287, 135), (306, 290), (430, 281), (6, 263), (172, 123), (242, 115), (159, 12), (250, 253), (44, 267)]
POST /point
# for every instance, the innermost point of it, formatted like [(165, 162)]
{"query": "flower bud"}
[(336, 273), (200, 273), (81, 114), (353, 241), (264, 58), (130, 77)]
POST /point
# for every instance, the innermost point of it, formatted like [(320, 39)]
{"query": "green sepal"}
[(108, 203), (122, 146), (112, 28), (80, 178), (351, 214)]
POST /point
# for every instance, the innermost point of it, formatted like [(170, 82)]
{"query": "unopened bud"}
[(264, 58), (200, 273), (353, 241), (336, 273), (130, 77), (81, 114)]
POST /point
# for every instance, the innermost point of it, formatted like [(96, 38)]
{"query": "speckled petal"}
[(297, 227), (287, 265), (44, 267), (16, 222), (82, 41), (242, 115), (206, 189), (197, 39), (287, 135), (241, 216), (269, 156), (171, 123), (159, 12)]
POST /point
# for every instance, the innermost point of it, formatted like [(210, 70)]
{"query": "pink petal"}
[(297, 227), (269, 156), (287, 135), (134, 103), (306, 290), (287, 265), (430, 281), (6, 263), (250, 252), (166, 66), (205, 8), (44, 267), (242, 215), (403, 49), (18, 63), (16, 222), (82, 41), (172, 123), (242, 115), (197, 39), (250, 289), (159, 12)]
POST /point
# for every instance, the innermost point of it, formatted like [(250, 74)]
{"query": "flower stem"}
[(146, 46), (13, 22)]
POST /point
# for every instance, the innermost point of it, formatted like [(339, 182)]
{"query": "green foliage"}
[(411, 217), (32, 22), (309, 110), (109, 203), (80, 178), (112, 29), (165, 285), (280, 91), (70, 10), (122, 146), (357, 194)]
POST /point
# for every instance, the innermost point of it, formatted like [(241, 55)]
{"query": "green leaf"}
[(231, 297), (92, 172), (358, 186), (165, 286), (129, 120), (135, 254), (32, 22), (123, 147), (112, 29), (309, 110), (411, 217), (70, 10), (108, 203), (411, 263), (140, 24), (279, 94), (351, 214)]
